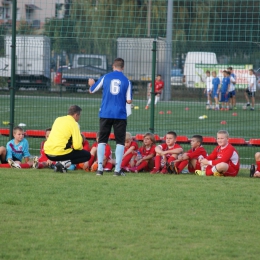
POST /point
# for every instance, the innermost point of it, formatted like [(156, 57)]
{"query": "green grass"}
[(39, 112), (141, 216)]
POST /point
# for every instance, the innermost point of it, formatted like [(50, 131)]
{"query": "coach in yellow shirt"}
[(64, 144)]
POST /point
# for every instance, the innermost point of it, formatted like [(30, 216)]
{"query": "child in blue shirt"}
[(215, 89), (18, 149), (225, 90)]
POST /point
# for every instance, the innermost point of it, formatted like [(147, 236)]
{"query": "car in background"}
[(176, 77)]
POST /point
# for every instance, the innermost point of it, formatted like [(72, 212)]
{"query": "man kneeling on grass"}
[(64, 144), (223, 161)]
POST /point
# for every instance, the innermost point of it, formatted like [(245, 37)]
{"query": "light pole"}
[(168, 54), (149, 18)]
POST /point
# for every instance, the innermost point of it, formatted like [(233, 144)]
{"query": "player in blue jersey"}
[(117, 91), (215, 89), (225, 90), (18, 149)]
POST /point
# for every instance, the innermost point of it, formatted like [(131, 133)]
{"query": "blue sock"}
[(100, 155), (119, 156)]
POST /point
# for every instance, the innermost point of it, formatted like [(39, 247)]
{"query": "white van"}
[(195, 76)]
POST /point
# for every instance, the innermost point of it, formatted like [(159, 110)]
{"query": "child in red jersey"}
[(158, 88), (130, 152), (85, 145), (223, 161), (43, 161), (191, 157), (144, 154), (166, 153), (256, 172), (92, 164)]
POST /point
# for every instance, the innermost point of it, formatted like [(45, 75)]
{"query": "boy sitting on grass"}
[(223, 161), (145, 154), (166, 153), (92, 164), (43, 161), (191, 157), (253, 172), (18, 149), (130, 152)]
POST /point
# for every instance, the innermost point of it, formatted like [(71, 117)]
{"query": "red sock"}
[(126, 160), (258, 165), (181, 165), (5, 165), (141, 165), (157, 162), (25, 165), (40, 165)]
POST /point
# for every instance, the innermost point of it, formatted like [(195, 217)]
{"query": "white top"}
[(232, 85), (252, 83), (209, 83)]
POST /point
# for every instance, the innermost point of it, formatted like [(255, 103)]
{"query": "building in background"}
[(34, 12)]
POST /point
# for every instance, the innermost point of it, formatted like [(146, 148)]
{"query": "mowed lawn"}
[(45, 215)]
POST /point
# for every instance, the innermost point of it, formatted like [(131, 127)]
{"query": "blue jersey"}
[(17, 151), (234, 76), (116, 90), (215, 83), (225, 83)]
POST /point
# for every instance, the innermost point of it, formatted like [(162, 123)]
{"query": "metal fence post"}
[(152, 91), (13, 70)]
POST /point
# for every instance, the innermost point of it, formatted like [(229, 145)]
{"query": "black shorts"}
[(250, 93), (105, 126), (76, 156)]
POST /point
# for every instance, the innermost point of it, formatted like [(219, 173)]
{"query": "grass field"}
[(141, 216), (39, 112)]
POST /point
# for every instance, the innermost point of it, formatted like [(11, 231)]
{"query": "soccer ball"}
[(244, 107)]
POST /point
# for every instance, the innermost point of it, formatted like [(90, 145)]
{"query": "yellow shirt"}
[(64, 134)]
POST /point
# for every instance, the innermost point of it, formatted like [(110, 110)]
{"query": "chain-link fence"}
[(60, 44)]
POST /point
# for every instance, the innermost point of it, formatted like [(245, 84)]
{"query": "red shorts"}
[(231, 171), (197, 167)]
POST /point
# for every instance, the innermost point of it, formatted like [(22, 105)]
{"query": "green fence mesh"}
[(60, 44)]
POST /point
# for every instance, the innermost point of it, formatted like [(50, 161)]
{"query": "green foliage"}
[(24, 28), (141, 216), (3, 31), (61, 31)]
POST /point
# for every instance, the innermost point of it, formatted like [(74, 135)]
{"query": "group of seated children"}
[(164, 158)]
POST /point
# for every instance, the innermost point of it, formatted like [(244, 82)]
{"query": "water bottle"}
[(139, 156), (252, 170)]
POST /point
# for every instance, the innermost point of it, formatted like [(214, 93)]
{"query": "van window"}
[(85, 61)]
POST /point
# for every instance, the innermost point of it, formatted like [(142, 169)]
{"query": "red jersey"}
[(227, 154), (165, 147), (43, 157), (132, 144), (147, 151), (195, 153), (86, 146), (158, 86), (108, 152)]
